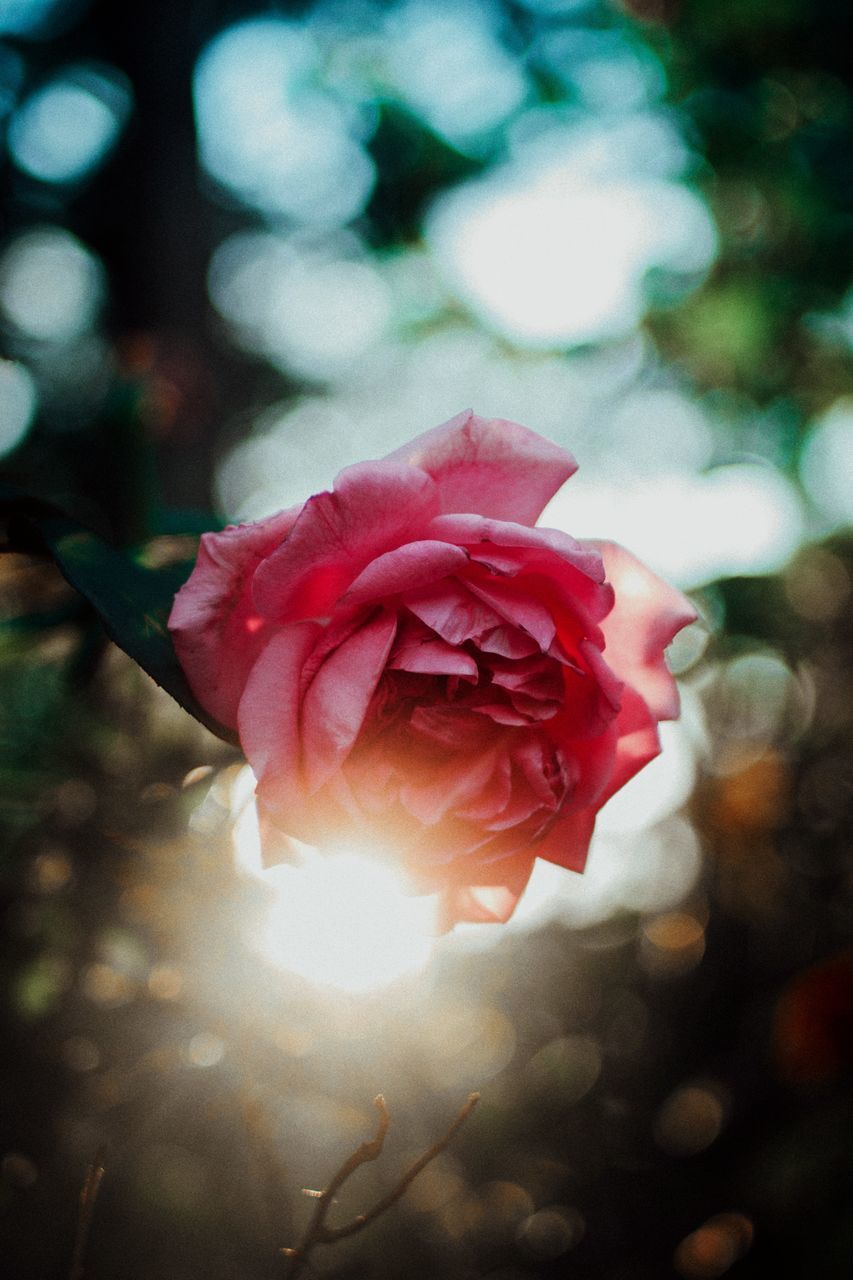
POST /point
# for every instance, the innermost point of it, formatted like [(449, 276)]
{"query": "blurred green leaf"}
[(132, 601)]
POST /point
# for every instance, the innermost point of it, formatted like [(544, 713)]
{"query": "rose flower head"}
[(407, 659)]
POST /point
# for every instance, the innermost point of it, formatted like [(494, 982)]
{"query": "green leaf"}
[(132, 601)]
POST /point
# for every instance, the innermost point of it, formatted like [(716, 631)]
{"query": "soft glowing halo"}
[(344, 921), (315, 308), (339, 919)]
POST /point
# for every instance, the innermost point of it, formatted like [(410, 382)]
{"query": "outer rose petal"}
[(337, 699), (568, 840), (490, 466), (215, 627), (374, 508), (491, 896), (638, 742), (645, 617), (269, 709)]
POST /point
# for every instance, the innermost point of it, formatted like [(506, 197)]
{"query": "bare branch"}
[(88, 1196), (362, 1155), (318, 1233), (340, 1233)]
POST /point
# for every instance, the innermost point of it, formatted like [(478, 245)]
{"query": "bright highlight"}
[(344, 921), (338, 919)]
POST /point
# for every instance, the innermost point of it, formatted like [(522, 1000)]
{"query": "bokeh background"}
[(244, 245)]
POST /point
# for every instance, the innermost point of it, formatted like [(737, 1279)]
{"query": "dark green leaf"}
[(132, 601)]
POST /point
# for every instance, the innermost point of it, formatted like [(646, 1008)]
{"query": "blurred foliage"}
[(131, 599), (666, 1087)]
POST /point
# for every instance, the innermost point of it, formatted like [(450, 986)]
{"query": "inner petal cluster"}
[(470, 728)]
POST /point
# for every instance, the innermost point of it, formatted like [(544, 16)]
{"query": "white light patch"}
[(553, 249), (344, 921), (826, 464), (269, 130), (745, 518), (338, 919), (51, 287), (315, 311), (17, 404), (447, 62), (68, 126)]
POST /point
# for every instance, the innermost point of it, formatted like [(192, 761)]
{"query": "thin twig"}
[(88, 1196), (340, 1233), (318, 1233), (364, 1154)]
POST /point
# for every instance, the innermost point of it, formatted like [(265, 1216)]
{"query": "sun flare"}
[(338, 919)]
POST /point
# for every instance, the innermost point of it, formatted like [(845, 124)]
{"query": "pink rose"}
[(408, 659)]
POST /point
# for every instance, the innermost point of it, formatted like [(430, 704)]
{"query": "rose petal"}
[(543, 767), (408, 567), (451, 611), (590, 759), (492, 896), (536, 676), (494, 795), (322, 819), (548, 564), (638, 742), (508, 642), (517, 607), (337, 699), (646, 615), (268, 717), (567, 842), (374, 508), (534, 708), (216, 630), (420, 650), (429, 794), (576, 603), (333, 634), (470, 530), (502, 713), (492, 466), (452, 728), (522, 804), (593, 696)]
